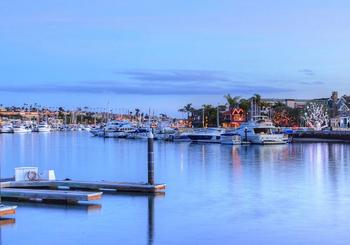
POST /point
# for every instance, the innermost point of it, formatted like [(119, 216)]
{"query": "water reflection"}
[(85, 207), (294, 193), (150, 220), (7, 221)]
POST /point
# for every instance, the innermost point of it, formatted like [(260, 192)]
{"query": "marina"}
[(174, 122), (260, 130), (233, 185)]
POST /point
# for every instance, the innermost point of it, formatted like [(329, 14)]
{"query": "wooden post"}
[(150, 151)]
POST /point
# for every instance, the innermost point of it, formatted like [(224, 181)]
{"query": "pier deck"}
[(7, 210), (86, 185), (56, 195)]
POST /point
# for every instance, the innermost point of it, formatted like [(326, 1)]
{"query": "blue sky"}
[(164, 54)]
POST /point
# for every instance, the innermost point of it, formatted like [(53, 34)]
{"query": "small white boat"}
[(230, 138), (6, 128), (21, 129), (43, 127)]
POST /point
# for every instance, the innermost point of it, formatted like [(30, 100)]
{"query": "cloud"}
[(175, 75), (307, 72), (146, 88), (155, 82), (312, 83)]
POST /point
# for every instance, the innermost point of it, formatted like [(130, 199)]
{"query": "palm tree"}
[(244, 104), (187, 109), (257, 98), (232, 101)]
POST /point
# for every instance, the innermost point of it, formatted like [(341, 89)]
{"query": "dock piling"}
[(150, 151)]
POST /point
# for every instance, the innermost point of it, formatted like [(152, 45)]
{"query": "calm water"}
[(290, 194)]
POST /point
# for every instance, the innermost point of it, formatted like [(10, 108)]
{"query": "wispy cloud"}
[(312, 83), (175, 75), (155, 82), (156, 88), (307, 72)]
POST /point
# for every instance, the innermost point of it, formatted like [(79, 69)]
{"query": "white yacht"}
[(6, 128), (140, 133), (43, 127), (117, 129), (230, 138), (207, 135), (178, 137), (21, 129), (260, 131), (163, 133)]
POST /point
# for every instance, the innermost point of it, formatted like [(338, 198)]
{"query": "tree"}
[(233, 102), (187, 109), (257, 98), (244, 104), (315, 116), (284, 116)]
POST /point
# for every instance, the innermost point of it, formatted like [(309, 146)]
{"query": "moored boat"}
[(43, 127), (6, 128), (230, 138), (260, 131), (207, 135), (21, 129)]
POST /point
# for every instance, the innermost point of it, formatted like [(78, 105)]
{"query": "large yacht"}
[(260, 131), (116, 129), (207, 135)]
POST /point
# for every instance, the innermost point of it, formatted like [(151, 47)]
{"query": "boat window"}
[(262, 130)]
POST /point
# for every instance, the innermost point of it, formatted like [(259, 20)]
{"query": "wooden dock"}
[(55, 195), (7, 210), (87, 185)]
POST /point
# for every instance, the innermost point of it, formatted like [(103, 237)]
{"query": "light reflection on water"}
[(284, 194)]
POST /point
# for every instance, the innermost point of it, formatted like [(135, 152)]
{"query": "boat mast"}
[(217, 117), (203, 121)]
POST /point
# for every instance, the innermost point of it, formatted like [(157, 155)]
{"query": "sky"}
[(164, 54)]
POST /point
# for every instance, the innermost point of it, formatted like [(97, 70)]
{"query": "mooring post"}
[(150, 150), (245, 135)]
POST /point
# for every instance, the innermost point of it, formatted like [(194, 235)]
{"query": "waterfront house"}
[(339, 108), (234, 117)]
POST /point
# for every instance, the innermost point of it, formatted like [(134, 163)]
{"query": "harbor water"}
[(216, 194)]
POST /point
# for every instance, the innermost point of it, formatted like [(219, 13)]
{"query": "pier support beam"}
[(150, 158)]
